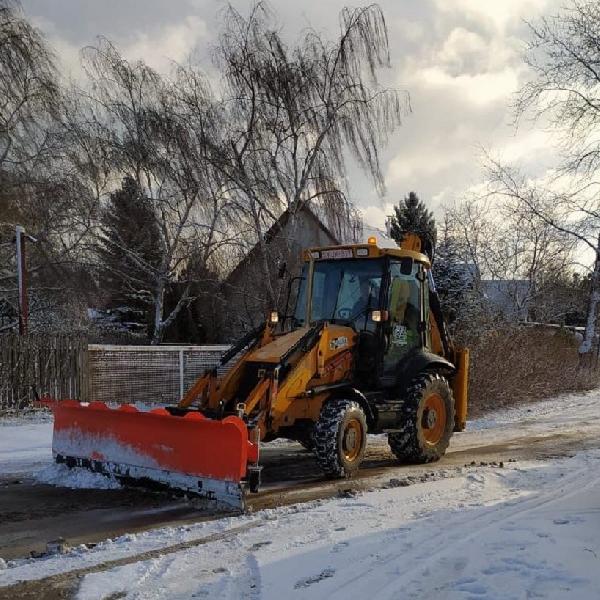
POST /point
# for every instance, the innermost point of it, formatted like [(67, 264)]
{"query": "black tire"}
[(340, 438), (423, 437)]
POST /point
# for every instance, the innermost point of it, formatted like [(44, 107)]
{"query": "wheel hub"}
[(433, 421), (429, 418), (352, 439)]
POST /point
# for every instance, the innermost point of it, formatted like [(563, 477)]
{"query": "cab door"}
[(405, 326)]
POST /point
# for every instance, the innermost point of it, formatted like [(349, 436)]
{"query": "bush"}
[(513, 365)]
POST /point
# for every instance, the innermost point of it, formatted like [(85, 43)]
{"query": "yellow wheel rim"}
[(434, 419), (352, 439)]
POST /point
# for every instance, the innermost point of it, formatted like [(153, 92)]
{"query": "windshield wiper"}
[(368, 308)]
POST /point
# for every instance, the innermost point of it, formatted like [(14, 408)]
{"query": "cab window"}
[(405, 310)]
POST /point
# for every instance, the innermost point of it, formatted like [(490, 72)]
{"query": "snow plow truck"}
[(364, 350)]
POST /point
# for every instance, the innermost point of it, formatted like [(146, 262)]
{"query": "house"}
[(508, 297), (243, 290)]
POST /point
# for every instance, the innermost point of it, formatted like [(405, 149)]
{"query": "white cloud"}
[(480, 89), (171, 43), (499, 14), (466, 51)]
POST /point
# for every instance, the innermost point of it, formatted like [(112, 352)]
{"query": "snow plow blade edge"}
[(192, 453)]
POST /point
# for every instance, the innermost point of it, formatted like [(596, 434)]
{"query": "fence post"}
[(181, 375)]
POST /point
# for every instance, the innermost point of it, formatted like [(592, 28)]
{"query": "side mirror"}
[(406, 266)]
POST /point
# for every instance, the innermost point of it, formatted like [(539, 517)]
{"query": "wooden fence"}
[(52, 365)]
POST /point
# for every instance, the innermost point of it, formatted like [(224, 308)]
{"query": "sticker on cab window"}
[(338, 342), (399, 335)]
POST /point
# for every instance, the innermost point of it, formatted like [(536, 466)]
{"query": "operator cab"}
[(381, 293)]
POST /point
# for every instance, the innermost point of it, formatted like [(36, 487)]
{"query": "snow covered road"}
[(523, 531), (528, 529)]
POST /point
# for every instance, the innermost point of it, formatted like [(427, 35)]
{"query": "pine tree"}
[(412, 216), (456, 280), (130, 253)]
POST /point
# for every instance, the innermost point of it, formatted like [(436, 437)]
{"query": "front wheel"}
[(427, 420), (340, 438)]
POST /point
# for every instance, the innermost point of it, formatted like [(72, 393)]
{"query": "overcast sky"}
[(460, 60)]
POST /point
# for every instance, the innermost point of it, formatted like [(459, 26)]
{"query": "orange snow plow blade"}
[(204, 456)]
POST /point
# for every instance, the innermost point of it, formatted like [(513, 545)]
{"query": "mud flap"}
[(207, 457)]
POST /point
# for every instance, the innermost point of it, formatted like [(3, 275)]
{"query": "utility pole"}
[(22, 280), (22, 277)]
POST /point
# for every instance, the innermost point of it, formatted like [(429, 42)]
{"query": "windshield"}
[(343, 291)]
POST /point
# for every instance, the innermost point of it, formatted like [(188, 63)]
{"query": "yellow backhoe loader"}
[(365, 350)]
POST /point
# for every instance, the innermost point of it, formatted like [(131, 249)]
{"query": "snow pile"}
[(76, 478)]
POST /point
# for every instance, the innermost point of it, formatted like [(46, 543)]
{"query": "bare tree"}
[(29, 94), (37, 188), (562, 220), (564, 54), (501, 238), (130, 121), (290, 116)]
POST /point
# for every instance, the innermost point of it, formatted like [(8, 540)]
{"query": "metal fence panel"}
[(147, 374)]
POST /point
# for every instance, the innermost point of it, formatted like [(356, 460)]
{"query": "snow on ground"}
[(523, 531), (25, 443), (527, 530), (553, 409)]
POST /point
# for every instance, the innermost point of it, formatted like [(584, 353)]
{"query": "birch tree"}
[(563, 55)]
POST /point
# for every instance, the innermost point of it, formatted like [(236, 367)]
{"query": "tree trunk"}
[(592, 311), (159, 303)]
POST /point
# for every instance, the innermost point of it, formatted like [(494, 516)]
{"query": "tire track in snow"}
[(436, 546)]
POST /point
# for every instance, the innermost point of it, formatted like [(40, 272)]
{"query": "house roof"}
[(272, 232)]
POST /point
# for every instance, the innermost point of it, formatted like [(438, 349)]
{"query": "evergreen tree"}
[(412, 216), (454, 278), (130, 254)]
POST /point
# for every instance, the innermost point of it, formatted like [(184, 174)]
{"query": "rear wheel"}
[(340, 438), (427, 420)]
